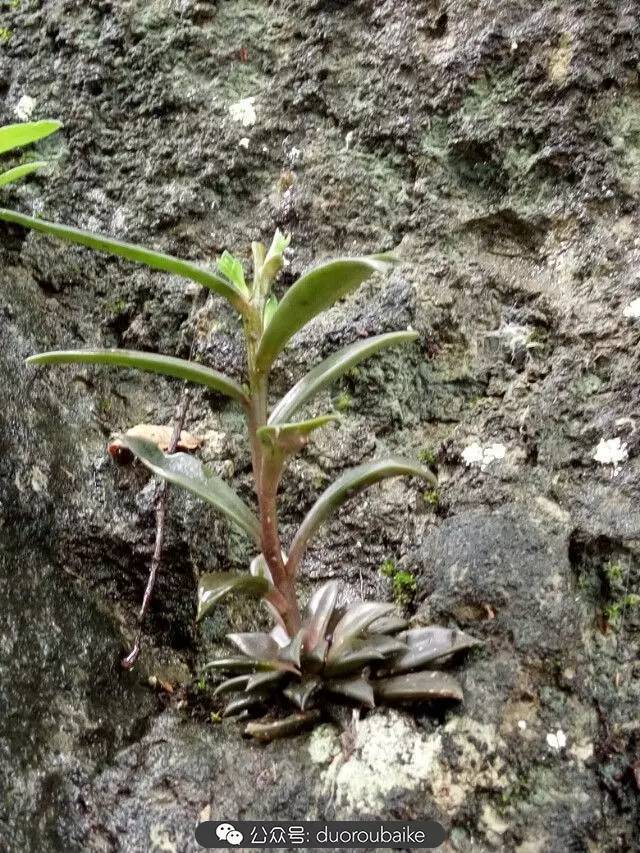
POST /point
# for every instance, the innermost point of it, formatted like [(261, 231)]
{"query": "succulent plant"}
[(364, 654)]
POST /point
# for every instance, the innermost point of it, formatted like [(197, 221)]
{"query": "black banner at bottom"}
[(355, 834)]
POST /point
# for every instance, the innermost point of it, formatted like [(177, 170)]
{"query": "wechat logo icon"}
[(227, 832)]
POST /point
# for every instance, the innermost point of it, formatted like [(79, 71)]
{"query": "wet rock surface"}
[(498, 144)]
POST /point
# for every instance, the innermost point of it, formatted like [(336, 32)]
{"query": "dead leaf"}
[(159, 435)]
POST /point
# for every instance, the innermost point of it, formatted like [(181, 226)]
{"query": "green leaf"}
[(150, 362), (13, 175), (279, 243), (215, 586), (269, 310), (232, 268), (312, 294), (189, 473), (417, 687), (289, 438), (353, 688), (331, 368), (132, 252), (274, 260), (19, 135), (344, 487)]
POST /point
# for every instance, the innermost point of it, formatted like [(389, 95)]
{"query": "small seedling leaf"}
[(231, 267)]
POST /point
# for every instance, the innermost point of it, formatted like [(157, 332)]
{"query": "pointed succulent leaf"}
[(291, 652), (13, 175), (353, 688), (215, 586), (242, 702), (425, 645), (289, 438), (189, 473), (132, 252), (388, 646), (331, 368), (291, 725), (350, 660), (259, 569), (354, 623), (232, 685), (278, 632), (232, 268), (241, 665), (310, 295), (150, 362), (260, 680), (316, 656), (301, 693), (255, 645), (19, 135), (352, 481), (388, 625), (319, 611), (417, 687)]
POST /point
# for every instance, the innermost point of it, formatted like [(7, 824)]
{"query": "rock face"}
[(497, 143)]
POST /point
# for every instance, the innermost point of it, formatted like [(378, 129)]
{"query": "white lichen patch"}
[(556, 740), (324, 744), (632, 311), (390, 755), (160, 841), (479, 750), (611, 451), (476, 455), (24, 108), (244, 111), (39, 480)]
